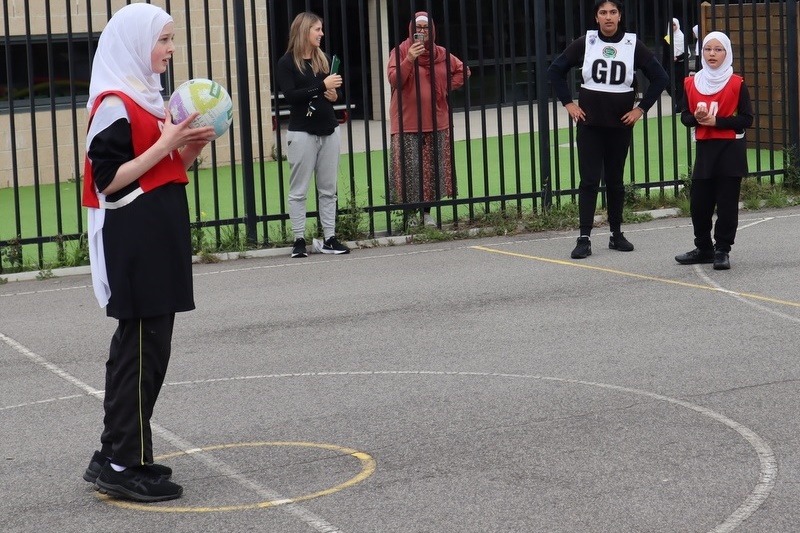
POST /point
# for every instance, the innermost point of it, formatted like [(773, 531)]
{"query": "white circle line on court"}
[(768, 470), (298, 511)]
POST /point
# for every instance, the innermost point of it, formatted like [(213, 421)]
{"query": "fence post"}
[(243, 89), (543, 101), (793, 25)]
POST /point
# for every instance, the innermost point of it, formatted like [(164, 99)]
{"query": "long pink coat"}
[(403, 83)]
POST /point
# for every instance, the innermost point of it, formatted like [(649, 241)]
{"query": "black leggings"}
[(602, 153), (705, 195)]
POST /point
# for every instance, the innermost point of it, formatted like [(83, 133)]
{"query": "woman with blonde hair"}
[(304, 77)]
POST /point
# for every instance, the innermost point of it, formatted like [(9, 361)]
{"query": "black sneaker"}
[(299, 248), (583, 248), (98, 460), (136, 483), (721, 260), (617, 241), (695, 257), (332, 246)]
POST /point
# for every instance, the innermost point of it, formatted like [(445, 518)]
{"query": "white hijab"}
[(678, 39), (711, 80), (696, 29), (122, 61)]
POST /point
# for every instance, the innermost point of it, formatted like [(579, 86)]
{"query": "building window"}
[(53, 72)]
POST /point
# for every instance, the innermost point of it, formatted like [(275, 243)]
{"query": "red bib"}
[(725, 103), (145, 131)]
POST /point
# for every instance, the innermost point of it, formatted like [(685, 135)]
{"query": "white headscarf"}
[(696, 29), (678, 40), (711, 80), (122, 61)]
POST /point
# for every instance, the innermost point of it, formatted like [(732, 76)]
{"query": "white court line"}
[(768, 463), (705, 277), (315, 522)]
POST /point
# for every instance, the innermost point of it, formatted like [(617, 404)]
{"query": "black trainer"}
[(583, 249), (695, 257), (332, 246), (98, 460), (721, 260), (299, 248), (617, 241), (136, 483)]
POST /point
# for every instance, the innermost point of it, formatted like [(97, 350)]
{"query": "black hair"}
[(598, 3)]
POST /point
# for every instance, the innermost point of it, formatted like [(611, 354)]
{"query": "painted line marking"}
[(316, 523), (638, 276), (368, 466), (768, 470)]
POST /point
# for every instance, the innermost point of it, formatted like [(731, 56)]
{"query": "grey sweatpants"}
[(320, 155)]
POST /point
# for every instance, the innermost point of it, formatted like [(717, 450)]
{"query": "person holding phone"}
[(606, 113), (421, 74), (313, 147)]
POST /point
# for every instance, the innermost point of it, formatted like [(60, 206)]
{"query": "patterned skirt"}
[(408, 174)]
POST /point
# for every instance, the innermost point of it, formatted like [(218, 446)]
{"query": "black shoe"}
[(331, 246), (299, 248), (98, 460), (696, 256), (721, 260), (136, 483), (583, 249), (617, 241)]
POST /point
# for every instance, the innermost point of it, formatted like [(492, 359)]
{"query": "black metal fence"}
[(511, 146)]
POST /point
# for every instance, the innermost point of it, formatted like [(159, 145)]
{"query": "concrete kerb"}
[(377, 242)]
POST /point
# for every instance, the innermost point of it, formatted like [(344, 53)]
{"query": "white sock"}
[(118, 468)]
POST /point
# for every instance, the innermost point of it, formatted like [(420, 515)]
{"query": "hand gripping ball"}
[(206, 97)]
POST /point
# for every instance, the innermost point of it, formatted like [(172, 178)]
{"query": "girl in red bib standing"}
[(139, 239), (717, 104)]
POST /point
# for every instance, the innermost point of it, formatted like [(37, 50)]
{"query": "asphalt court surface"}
[(487, 385)]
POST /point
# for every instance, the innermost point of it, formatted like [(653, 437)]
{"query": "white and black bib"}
[(608, 67)]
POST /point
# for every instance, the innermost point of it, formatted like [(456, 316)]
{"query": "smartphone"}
[(419, 37), (335, 64)]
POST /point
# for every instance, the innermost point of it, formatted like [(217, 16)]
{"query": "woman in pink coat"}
[(421, 73)]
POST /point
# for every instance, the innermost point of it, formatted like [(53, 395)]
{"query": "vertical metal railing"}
[(499, 163)]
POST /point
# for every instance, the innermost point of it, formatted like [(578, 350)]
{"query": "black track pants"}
[(137, 362), (705, 195)]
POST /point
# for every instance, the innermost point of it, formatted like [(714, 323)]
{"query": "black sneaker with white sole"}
[(332, 246), (137, 484), (98, 460), (299, 248)]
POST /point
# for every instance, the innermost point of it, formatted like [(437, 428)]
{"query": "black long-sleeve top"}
[(602, 108), (304, 91)]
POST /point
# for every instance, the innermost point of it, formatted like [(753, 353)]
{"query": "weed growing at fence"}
[(791, 165), (349, 224)]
